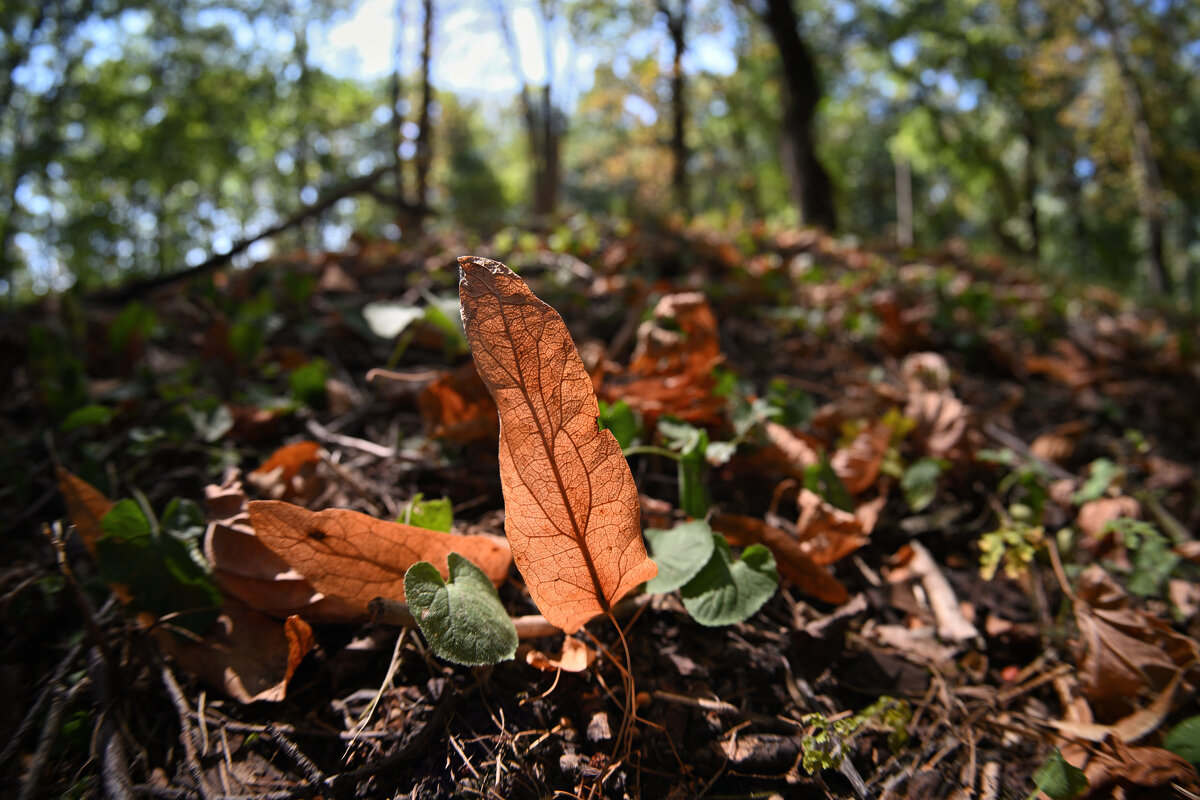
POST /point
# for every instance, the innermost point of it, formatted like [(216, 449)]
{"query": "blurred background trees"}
[(139, 137)]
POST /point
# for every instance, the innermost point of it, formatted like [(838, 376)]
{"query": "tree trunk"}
[(424, 137), (1032, 221), (904, 203), (1145, 164), (398, 108), (677, 27), (542, 126), (811, 188)]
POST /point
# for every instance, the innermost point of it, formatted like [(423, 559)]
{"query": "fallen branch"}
[(121, 294)]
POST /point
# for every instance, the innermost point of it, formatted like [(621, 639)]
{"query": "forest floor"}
[(979, 487)]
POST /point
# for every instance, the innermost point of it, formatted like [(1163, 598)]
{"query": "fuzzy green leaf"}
[(462, 619), (680, 553), (727, 591)]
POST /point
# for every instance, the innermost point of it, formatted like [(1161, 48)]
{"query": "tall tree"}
[(812, 189), (544, 123), (677, 20), (424, 155)]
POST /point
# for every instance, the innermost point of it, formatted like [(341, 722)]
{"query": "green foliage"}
[(691, 443), (307, 382), (795, 407), (1026, 482), (159, 569), (1058, 779), (1102, 473), (825, 745), (821, 478), (88, 416), (1153, 558), (463, 619), (434, 515), (1014, 544), (618, 417), (1184, 740), (920, 481), (135, 322), (727, 591), (680, 554)]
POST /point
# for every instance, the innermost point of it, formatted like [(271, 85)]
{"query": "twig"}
[(116, 768), (122, 293), (35, 711), (1016, 444), (951, 624), (289, 748), (50, 729), (185, 729), (322, 433)]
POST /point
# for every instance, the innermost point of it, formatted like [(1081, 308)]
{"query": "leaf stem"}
[(651, 450)]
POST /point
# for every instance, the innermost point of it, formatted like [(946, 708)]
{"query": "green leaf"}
[(87, 416), (1058, 779), (920, 482), (618, 418), (680, 554), (462, 620), (308, 382), (433, 515), (443, 314), (821, 478), (1184, 740), (1102, 474), (727, 591), (158, 572), (691, 443)]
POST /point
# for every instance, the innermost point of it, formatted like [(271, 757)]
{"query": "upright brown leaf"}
[(353, 558), (571, 506), (86, 505)]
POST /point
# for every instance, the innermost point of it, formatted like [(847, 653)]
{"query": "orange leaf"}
[(86, 505), (858, 463), (246, 569), (827, 534), (289, 472), (353, 558), (793, 563), (575, 657), (457, 407), (571, 506), (251, 656)]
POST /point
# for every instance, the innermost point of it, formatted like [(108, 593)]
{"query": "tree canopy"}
[(140, 138)]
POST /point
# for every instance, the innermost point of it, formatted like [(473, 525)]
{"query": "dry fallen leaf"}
[(86, 506), (289, 473), (827, 534), (457, 407), (571, 506), (1115, 664), (1129, 772), (858, 463), (575, 657), (1095, 515), (670, 371), (245, 568), (791, 560), (249, 655), (353, 558)]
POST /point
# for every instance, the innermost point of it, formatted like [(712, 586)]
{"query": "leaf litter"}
[(819, 383)]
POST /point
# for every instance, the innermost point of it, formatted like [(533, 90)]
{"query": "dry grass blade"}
[(572, 512)]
